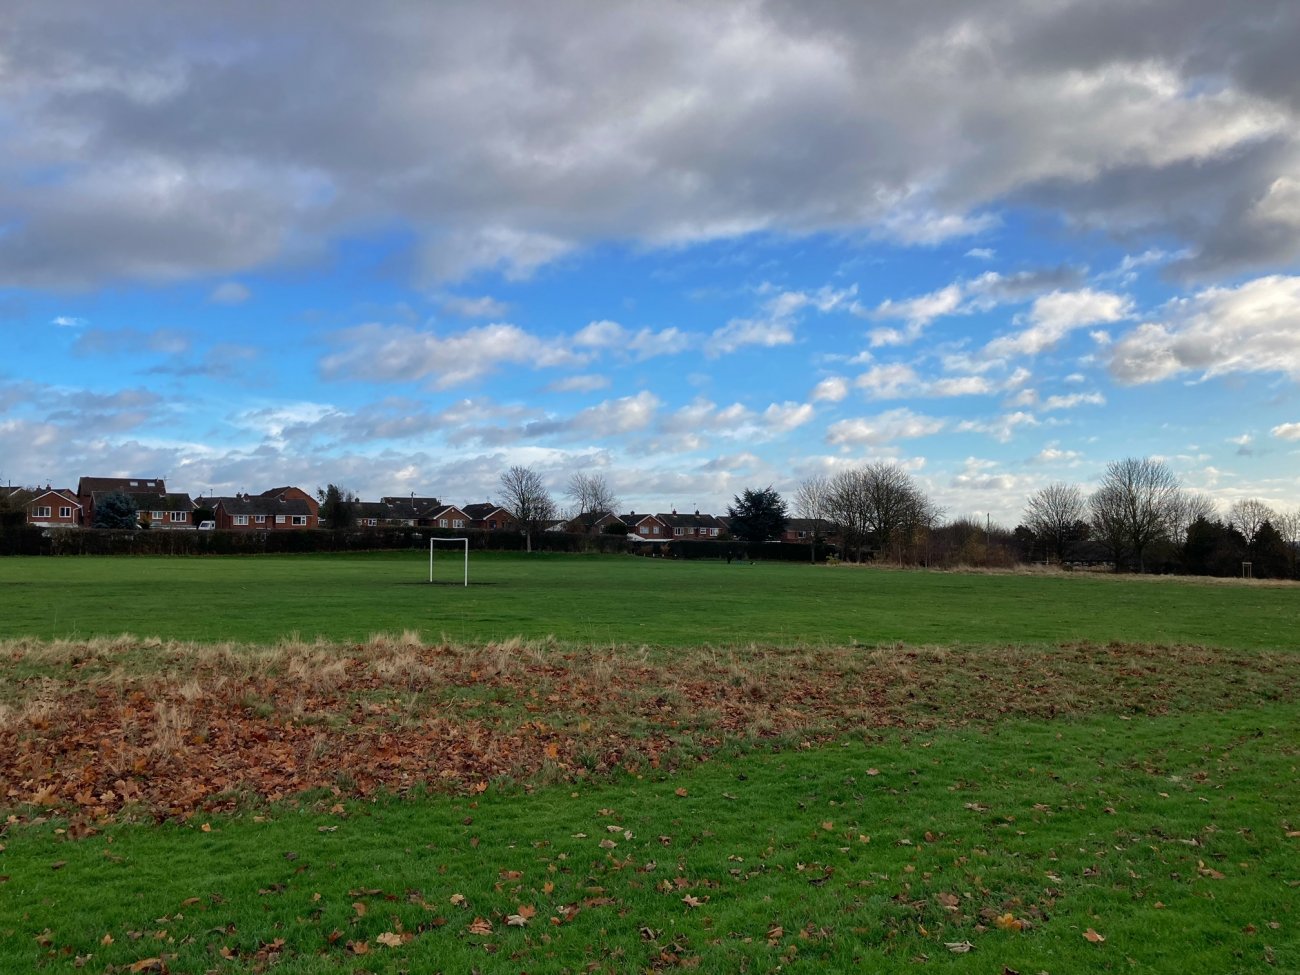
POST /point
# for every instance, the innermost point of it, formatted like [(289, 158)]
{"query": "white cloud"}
[(1002, 428), (484, 306), (740, 332), (1055, 315), (579, 384), (982, 253), (67, 321), (890, 381), (1286, 431), (900, 424), (1254, 327), (396, 353), (784, 417), (832, 389), (1052, 454), (1070, 401), (230, 293)]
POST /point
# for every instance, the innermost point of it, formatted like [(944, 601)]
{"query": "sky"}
[(691, 247)]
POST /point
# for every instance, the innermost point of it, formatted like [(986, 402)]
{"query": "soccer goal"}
[(433, 542)]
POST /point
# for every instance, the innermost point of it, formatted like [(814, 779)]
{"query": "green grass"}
[(623, 600), (1167, 836)]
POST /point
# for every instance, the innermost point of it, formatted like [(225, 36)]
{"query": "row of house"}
[(278, 509), (293, 509)]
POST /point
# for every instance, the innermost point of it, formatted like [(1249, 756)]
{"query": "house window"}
[(679, 531), (644, 529), (42, 512), (279, 519), (300, 520), (492, 525), (442, 522), (65, 512), (370, 522), (159, 515), (656, 529), (260, 519), (458, 523), (241, 519), (180, 516)]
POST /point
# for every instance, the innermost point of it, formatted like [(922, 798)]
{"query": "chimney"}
[(674, 511), (697, 511)]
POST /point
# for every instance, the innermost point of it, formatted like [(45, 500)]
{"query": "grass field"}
[(622, 765), (623, 600)]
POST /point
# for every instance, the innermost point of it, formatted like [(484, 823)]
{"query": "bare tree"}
[(1191, 508), (591, 493), (1288, 526), (1051, 513), (1134, 506), (812, 501), (1248, 515), (878, 503), (524, 495)]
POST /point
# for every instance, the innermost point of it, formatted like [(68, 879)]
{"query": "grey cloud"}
[(229, 137)]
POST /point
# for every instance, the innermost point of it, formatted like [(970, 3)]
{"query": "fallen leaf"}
[(106, 939), (691, 901), (1009, 922), (680, 792), (873, 771), (516, 920), (480, 926), (359, 947), (457, 899), (360, 908), (958, 947), (1094, 937), (390, 938), (548, 887), (147, 965)]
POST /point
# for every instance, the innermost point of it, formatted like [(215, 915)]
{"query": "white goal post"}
[(435, 541)]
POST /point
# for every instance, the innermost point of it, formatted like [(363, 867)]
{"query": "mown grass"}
[(1165, 836), (620, 600)]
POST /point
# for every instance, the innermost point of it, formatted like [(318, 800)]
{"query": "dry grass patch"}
[(172, 728)]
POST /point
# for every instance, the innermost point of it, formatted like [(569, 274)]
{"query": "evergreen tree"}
[(758, 516), (116, 510)]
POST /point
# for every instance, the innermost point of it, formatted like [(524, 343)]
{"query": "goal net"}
[(435, 542)]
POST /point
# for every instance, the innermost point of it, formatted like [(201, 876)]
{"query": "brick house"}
[(296, 494), (594, 523), (249, 513), (447, 517), (645, 527), (694, 527), (50, 507), (157, 507), (804, 530), (490, 517)]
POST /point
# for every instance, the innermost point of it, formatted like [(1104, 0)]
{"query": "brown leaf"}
[(680, 792), (511, 874), (692, 901), (106, 939), (390, 939), (516, 920), (1094, 937), (457, 899), (359, 947), (1009, 922), (148, 965), (949, 901), (480, 926), (360, 908)]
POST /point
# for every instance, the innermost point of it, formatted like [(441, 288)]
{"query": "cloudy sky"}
[(691, 246)]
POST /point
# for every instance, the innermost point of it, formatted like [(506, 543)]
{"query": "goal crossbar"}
[(437, 541)]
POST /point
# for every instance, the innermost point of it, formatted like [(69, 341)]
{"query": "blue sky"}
[(692, 248)]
